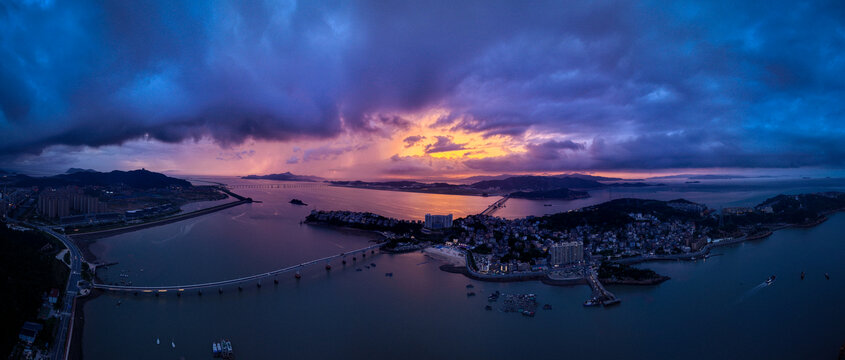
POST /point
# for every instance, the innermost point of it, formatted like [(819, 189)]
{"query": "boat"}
[(222, 349), (358, 269), (470, 286), (172, 344), (592, 302), (488, 308), (471, 293), (297, 275), (527, 313), (770, 280), (547, 204), (328, 267), (802, 275), (157, 341), (827, 276), (390, 274), (373, 264), (547, 307)]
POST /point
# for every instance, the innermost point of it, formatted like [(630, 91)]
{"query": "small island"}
[(298, 202), (557, 194)]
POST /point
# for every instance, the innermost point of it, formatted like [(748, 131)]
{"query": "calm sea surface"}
[(710, 309)]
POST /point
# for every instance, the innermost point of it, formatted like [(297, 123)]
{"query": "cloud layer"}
[(610, 84)]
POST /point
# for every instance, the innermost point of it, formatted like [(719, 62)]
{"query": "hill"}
[(286, 176), (559, 194), (139, 179)]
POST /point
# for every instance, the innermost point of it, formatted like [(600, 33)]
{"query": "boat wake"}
[(753, 291)]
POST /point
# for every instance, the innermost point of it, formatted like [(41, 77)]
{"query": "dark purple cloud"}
[(412, 140), (639, 85), (443, 144)]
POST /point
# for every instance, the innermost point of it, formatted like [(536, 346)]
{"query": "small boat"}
[(770, 280), (488, 308), (358, 269), (471, 293), (592, 302), (470, 286), (527, 313), (827, 276), (297, 275), (157, 341), (328, 267), (547, 204), (367, 266), (373, 264), (802, 275), (172, 344), (547, 307), (390, 274)]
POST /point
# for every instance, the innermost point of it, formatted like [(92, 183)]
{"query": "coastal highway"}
[(61, 343)]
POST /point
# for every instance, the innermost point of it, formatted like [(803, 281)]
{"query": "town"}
[(565, 246)]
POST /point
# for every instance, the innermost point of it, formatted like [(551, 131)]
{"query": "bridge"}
[(277, 186), (495, 206), (243, 280)]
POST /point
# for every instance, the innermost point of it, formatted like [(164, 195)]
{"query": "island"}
[(596, 244), (557, 194), (297, 202)]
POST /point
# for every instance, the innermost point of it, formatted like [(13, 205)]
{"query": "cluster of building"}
[(25, 348), (505, 246), (646, 235), (58, 203), (12, 199)]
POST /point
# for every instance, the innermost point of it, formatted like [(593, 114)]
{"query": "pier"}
[(239, 281), (600, 294), (495, 206)]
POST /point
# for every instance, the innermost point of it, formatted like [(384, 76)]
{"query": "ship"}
[(802, 275), (827, 276)]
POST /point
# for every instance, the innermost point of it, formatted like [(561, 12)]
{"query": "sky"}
[(423, 89)]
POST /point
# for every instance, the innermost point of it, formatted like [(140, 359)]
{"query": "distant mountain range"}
[(571, 175), (709, 177), (78, 170), (139, 179), (535, 183), (287, 176)]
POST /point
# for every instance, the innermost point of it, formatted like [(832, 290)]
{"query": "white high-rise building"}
[(564, 253), (436, 222)]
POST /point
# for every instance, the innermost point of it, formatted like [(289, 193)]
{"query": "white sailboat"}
[(157, 341)]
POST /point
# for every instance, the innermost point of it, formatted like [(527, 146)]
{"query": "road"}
[(61, 344)]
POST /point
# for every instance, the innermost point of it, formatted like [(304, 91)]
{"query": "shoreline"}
[(79, 324), (84, 240)]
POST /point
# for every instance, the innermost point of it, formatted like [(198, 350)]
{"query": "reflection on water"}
[(423, 313)]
